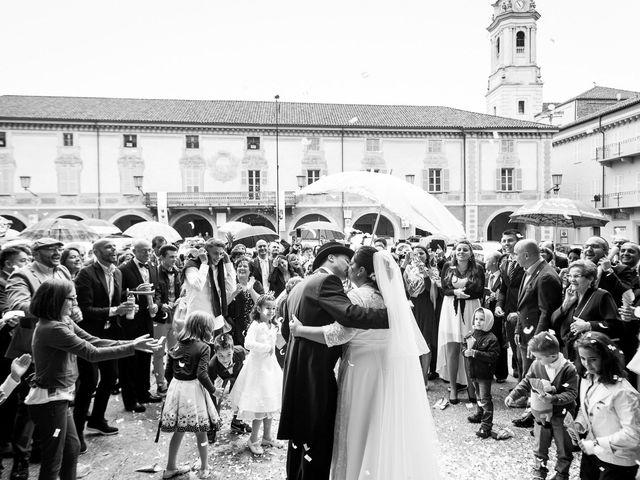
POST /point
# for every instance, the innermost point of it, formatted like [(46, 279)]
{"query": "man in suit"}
[(139, 275), (540, 295), (511, 275), (261, 267), (98, 287), (167, 295), (310, 390), (492, 287), (615, 279)]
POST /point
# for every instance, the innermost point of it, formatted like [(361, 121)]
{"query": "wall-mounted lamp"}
[(25, 182), (302, 181), (137, 182), (556, 179)]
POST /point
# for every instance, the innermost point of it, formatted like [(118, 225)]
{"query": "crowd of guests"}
[(189, 317)]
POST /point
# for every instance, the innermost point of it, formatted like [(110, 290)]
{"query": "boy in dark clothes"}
[(552, 380), (482, 351), (226, 364)]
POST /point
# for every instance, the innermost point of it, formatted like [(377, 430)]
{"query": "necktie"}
[(143, 265), (511, 270)]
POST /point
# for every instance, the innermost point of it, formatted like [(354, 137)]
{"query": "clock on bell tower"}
[(515, 84)]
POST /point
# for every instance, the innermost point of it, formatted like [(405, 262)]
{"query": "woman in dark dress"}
[(247, 292), (421, 285), (584, 308)]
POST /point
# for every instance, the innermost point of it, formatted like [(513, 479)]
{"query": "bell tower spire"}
[(515, 83)]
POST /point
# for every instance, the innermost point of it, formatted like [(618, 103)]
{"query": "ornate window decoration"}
[(313, 159), (508, 171), (68, 169), (373, 160), (435, 171), (254, 161), (223, 166), (192, 170), (128, 167), (7, 172)]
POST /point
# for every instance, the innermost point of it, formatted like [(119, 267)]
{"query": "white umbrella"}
[(412, 204), (148, 230), (559, 212), (233, 227), (100, 226)]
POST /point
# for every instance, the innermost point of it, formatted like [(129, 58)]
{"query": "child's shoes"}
[(255, 448), (271, 442), (238, 426), (475, 418), (484, 432)]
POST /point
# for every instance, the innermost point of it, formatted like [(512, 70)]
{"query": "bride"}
[(384, 427)]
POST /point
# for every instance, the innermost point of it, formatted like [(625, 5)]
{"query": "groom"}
[(310, 390)]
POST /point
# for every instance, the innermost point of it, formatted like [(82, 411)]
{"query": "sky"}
[(415, 52)]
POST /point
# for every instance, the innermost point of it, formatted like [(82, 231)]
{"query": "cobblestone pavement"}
[(464, 456)]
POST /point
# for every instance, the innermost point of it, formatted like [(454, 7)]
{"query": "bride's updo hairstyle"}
[(364, 258)]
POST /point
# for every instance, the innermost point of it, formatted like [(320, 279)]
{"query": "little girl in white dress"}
[(257, 393)]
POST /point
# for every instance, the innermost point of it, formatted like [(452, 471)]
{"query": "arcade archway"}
[(256, 220), (193, 224), (366, 222), (500, 223)]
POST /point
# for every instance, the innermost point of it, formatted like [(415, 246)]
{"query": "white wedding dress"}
[(384, 429)]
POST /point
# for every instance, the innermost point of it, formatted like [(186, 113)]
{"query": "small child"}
[(257, 393), (482, 352), (224, 368), (551, 366), (189, 406)]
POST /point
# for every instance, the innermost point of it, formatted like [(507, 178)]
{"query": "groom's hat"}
[(331, 248)]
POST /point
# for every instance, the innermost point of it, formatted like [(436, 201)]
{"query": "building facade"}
[(204, 163), (596, 155)]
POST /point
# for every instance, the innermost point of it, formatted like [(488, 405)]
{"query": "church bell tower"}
[(515, 83)]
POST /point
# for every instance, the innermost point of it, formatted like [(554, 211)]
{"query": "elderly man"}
[(21, 286), (615, 279), (210, 281), (138, 275), (261, 267), (540, 295)]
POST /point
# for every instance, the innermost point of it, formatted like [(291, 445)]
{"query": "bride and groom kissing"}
[(373, 422)]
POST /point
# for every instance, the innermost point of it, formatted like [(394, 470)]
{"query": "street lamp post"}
[(277, 97)]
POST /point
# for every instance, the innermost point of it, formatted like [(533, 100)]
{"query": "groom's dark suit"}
[(310, 390)]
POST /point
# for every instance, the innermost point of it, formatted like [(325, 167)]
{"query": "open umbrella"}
[(320, 230), (559, 212), (412, 204), (100, 226), (233, 227), (148, 230), (64, 229), (250, 235)]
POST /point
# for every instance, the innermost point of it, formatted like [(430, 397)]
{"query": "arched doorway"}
[(192, 225), (499, 224), (366, 222), (16, 224), (256, 220), (126, 221), (312, 217)]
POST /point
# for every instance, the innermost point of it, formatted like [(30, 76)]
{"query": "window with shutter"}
[(6, 179), (425, 179), (445, 179), (435, 180), (254, 184), (68, 179), (518, 179)]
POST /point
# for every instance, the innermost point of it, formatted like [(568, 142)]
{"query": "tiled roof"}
[(604, 93), (224, 112), (605, 111)]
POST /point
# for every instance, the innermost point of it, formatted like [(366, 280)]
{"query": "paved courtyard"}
[(464, 456)]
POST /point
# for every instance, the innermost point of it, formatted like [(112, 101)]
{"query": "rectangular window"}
[(253, 178), (314, 144), (521, 107), (506, 146), (435, 180), (435, 146), (193, 141), (253, 143), (506, 179), (373, 145), (312, 176), (192, 178), (3, 139), (67, 139), (130, 141), (68, 180), (6, 179)]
